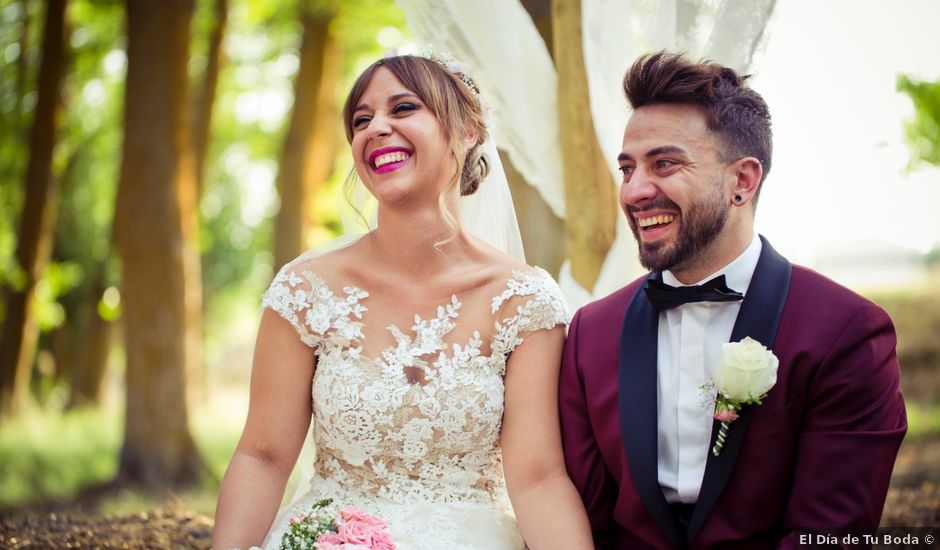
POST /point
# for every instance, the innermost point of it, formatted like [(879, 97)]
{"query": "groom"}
[(815, 457)]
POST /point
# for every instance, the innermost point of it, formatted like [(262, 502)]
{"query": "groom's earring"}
[(737, 199)]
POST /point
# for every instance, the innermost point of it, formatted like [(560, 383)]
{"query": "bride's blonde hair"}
[(455, 104)]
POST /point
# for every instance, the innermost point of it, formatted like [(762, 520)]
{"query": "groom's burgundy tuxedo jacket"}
[(815, 457)]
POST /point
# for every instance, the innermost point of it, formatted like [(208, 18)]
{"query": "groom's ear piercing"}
[(737, 199)]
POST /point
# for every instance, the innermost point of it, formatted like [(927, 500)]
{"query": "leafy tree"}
[(20, 331), (154, 220), (308, 150), (923, 132), (590, 196), (91, 135)]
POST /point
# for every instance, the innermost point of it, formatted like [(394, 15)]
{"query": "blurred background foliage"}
[(56, 443), (67, 435), (923, 132)]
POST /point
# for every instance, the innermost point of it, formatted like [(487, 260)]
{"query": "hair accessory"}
[(452, 65), (457, 68)]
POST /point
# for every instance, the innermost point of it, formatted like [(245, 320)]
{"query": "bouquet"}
[(345, 529)]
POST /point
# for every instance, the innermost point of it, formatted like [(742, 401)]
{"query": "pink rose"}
[(357, 514), (328, 546), (356, 532), (330, 537), (725, 415), (381, 540)]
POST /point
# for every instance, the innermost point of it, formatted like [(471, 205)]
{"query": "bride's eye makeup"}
[(403, 108), (358, 121)]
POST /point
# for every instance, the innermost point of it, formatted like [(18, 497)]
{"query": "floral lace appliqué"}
[(381, 438)]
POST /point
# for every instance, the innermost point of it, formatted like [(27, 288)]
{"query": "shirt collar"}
[(737, 274)]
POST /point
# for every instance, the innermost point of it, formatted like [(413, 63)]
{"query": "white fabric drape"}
[(499, 40)]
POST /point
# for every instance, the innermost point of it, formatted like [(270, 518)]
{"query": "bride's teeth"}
[(655, 220), (397, 156)]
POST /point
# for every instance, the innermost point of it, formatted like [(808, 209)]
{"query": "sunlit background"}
[(843, 197)]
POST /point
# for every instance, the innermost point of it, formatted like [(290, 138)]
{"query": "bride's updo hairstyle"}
[(453, 98)]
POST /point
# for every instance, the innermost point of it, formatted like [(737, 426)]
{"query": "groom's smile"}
[(670, 191), (653, 226)]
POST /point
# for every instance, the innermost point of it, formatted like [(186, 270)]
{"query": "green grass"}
[(923, 419), (52, 455)]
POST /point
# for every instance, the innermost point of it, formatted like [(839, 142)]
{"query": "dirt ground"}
[(913, 501), (169, 529)]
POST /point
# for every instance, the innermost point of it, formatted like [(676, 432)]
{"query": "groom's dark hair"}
[(735, 113)]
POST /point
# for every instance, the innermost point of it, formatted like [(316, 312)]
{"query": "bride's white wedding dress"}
[(406, 420)]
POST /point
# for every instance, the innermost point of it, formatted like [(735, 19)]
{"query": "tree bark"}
[(325, 138), (21, 66), (153, 220), (201, 131), (202, 115), (541, 230), (91, 358), (590, 193), (304, 165), (20, 332)]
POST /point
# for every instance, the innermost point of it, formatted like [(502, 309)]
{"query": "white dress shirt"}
[(688, 349)]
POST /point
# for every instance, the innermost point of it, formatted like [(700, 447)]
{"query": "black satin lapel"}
[(637, 391), (759, 318)]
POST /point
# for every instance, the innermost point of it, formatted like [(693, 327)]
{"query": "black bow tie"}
[(664, 296)]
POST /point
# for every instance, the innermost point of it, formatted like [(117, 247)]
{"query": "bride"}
[(431, 357)]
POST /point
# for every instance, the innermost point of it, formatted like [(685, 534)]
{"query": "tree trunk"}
[(201, 127), (153, 220), (202, 116), (91, 358), (21, 65), (20, 332), (590, 193), (321, 152), (540, 228), (317, 59)]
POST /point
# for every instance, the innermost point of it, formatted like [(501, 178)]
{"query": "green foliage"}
[(250, 118), (19, 62), (923, 419), (51, 455), (923, 132), (47, 454), (59, 278), (252, 106)]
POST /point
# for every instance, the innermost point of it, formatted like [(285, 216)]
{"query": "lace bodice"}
[(428, 438)]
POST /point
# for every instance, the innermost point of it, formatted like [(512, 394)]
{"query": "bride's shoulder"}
[(529, 302), (515, 271), (309, 292), (527, 284)]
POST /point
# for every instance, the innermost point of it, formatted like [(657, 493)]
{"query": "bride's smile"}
[(388, 159), (399, 146)]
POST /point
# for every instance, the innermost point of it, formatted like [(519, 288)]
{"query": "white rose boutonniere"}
[(746, 372)]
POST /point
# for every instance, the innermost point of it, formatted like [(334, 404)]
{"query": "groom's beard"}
[(700, 224)]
